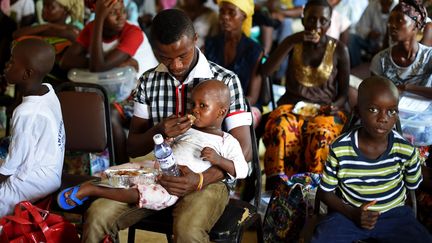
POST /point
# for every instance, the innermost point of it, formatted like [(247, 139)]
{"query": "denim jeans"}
[(395, 225)]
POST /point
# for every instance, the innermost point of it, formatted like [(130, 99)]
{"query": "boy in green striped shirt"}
[(373, 167)]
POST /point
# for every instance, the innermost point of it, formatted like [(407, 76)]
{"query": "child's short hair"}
[(40, 55), (224, 96), (375, 83), (170, 25)]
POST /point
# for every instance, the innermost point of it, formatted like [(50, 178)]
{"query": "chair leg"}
[(131, 235), (169, 238), (259, 230)]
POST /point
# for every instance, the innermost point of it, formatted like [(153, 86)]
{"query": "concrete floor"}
[(146, 236)]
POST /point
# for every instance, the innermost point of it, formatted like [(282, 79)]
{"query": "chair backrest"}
[(253, 181), (86, 115)]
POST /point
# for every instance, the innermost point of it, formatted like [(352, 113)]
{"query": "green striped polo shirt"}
[(361, 180)]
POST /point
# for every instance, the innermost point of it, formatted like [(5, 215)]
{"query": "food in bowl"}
[(306, 109), (125, 178)]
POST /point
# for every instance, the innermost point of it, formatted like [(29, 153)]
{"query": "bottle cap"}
[(158, 139)]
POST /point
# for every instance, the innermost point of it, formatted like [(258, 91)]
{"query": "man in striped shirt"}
[(372, 167), (162, 101)]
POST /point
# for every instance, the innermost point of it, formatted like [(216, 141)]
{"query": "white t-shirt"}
[(188, 146), (20, 9), (339, 24), (36, 151), (144, 54)]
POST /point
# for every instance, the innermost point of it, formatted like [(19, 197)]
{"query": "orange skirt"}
[(297, 144)]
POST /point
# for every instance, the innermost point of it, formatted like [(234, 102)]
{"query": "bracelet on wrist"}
[(201, 181)]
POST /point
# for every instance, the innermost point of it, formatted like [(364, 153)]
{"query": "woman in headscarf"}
[(234, 50), (408, 64), (310, 113)]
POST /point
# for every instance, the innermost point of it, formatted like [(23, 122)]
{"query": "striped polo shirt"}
[(361, 180)]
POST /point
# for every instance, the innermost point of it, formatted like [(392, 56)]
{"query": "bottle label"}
[(167, 162)]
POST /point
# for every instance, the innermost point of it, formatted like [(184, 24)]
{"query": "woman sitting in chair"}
[(310, 114), (234, 50)]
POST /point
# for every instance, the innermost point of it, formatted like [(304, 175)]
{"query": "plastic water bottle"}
[(164, 156)]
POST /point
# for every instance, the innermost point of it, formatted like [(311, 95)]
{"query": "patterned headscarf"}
[(75, 8), (247, 6), (415, 10)]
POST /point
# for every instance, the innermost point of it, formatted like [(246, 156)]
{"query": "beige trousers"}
[(194, 215)]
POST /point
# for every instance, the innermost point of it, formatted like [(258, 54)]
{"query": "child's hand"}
[(211, 155), (367, 219)]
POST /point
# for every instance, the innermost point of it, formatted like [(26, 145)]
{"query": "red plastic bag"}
[(30, 224)]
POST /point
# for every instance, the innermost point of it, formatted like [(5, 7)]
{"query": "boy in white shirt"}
[(33, 166)]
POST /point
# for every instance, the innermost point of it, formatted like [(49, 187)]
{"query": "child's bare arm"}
[(215, 159), (129, 195), (361, 216)]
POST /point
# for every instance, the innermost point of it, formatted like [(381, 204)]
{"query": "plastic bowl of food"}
[(306, 109), (125, 178)]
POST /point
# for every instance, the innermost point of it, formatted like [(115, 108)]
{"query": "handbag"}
[(30, 224), (290, 204)]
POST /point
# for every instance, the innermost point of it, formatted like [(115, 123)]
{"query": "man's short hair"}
[(170, 25)]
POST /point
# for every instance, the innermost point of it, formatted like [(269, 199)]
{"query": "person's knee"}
[(185, 232), (102, 214)]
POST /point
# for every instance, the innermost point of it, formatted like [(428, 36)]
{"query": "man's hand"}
[(174, 126), (365, 218), (180, 185), (211, 155)]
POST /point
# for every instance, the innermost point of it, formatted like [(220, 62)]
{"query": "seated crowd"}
[(203, 59)]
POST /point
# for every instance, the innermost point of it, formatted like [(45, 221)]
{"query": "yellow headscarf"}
[(247, 6), (75, 8)]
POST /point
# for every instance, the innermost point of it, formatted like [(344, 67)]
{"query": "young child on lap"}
[(33, 166), (203, 145), (373, 167)]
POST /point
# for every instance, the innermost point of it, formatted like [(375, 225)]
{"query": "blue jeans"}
[(395, 225)]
